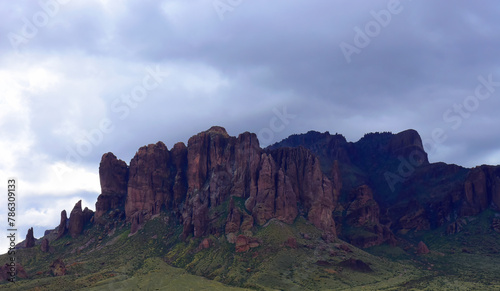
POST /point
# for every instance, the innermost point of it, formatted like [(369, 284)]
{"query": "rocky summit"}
[(312, 211)]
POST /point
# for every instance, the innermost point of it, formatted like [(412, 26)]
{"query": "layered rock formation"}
[(273, 184), (78, 219), (364, 213), (482, 190), (411, 193), (62, 229), (219, 184), (408, 144), (157, 181), (187, 182), (113, 175)]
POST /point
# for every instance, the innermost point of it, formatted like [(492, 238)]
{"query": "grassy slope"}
[(120, 262)]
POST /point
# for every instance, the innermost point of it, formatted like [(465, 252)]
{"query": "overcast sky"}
[(82, 78)]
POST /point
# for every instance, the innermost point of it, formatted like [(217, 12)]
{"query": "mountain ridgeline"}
[(223, 185), (310, 212)]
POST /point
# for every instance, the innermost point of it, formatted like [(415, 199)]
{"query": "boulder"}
[(422, 248), (244, 243), (58, 268)]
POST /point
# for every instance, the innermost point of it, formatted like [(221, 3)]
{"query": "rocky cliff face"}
[(62, 228), (408, 144), (481, 190), (273, 184), (113, 175), (411, 193), (224, 185), (157, 181), (30, 239), (149, 187), (78, 219), (192, 183), (363, 214)]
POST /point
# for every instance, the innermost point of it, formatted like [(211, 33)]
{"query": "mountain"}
[(312, 212)]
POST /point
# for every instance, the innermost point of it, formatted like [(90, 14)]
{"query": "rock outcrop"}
[(45, 247), (149, 186), (363, 214), (58, 268), (408, 145), (244, 243), (78, 219), (224, 185), (30, 239), (62, 229), (415, 217), (481, 190), (113, 175), (422, 248), (237, 219), (157, 181), (302, 182), (5, 272), (273, 184)]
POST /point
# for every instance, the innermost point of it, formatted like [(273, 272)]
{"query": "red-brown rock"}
[(291, 242), (178, 156), (113, 175), (244, 243), (415, 217), (218, 166), (233, 221), (150, 181), (205, 244), (19, 272), (62, 229), (422, 248), (481, 189), (30, 239), (363, 209), (363, 212), (137, 219), (78, 219), (44, 247)]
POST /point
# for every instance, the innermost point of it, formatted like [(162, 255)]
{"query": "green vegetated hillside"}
[(289, 257)]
